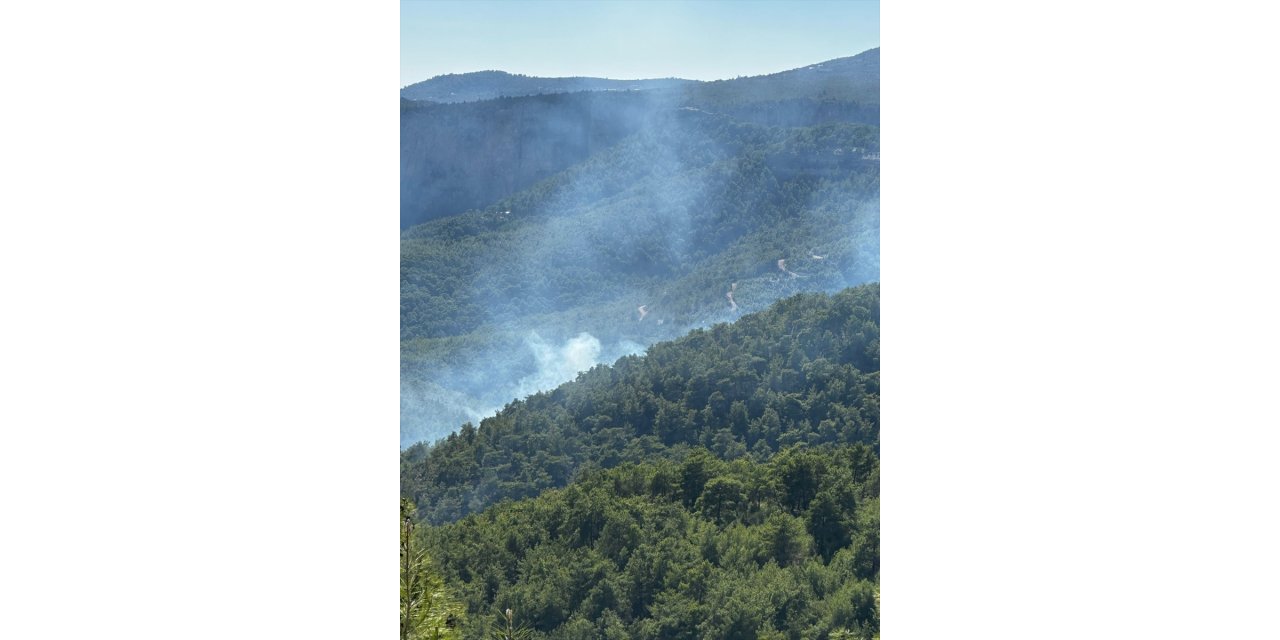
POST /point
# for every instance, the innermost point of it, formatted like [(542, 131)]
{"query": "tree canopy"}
[(804, 371), (696, 548)]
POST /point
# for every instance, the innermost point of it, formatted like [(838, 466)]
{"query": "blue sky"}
[(705, 40)]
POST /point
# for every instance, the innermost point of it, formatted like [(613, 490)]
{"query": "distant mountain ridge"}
[(854, 78), (863, 69), (487, 85), (456, 157), (867, 62)]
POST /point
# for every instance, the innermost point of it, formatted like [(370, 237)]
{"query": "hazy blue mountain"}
[(456, 157), (555, 232), (487, 85)]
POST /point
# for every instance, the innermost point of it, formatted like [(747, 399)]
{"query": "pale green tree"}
[(427, 611)]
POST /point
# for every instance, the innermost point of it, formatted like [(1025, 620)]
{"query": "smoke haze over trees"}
[(536, 226), (804, 371), (640, 356), (724, 485)]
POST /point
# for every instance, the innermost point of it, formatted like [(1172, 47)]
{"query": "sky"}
[(708, 40)]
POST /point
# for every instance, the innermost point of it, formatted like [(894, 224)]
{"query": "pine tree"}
[(426, 610)]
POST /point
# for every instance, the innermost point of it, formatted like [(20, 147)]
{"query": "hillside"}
[(851, 79), (805, 371), (640, 356), (724, 485), (487, 85), (668, 200), (456, 157), (669, 210), (689, 550)]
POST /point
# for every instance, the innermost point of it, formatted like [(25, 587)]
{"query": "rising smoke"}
[(430, 411), (558, 364), (636, 244)]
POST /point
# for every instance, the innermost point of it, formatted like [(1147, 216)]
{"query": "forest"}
[(724, 485), (677, 549), (685, 211), (461, 156), (804, 371), (640, 356)]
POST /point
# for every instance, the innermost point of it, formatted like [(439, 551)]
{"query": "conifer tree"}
[(426, 610)]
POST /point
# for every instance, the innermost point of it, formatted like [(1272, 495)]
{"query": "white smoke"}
[(628, 348), (429, 411), (558, 364)]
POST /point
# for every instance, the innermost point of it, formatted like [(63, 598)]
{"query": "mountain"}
[(456, 157), (616, 201), (640, 356), (854, 77), (487, 85)]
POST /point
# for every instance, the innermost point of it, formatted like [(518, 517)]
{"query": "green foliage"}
[(804, 372), (607, 556), (456, 157), (726, 483), (505, 628), (427, 610)]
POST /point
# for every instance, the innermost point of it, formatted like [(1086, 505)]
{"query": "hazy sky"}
[(705, 40)]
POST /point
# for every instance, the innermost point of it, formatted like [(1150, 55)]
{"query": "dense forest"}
[(724, 485), (640, 355), (629, 218), (692, 549), (460, 156), (804, 371), (729, 191)]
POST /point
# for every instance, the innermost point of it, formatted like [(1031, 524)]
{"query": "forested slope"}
[(581, 227), (688, 218), (805, 371), (714, 246), (694, 549), (636, 220), (456, 157)]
